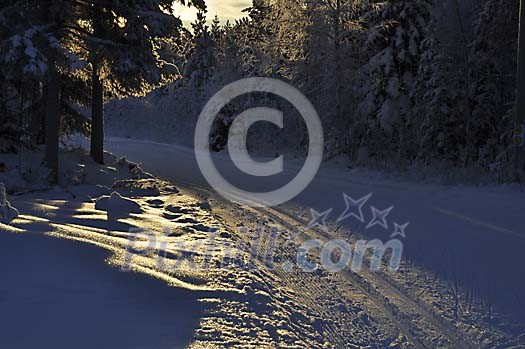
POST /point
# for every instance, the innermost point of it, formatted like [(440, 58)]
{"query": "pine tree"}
[(492, 88), (254, 37), (22, 66), (258, 28), (216, 30), (34, 53), (202, 60), (333, 40), (124, 52), (396, 31), (437, 100), (287, 44)]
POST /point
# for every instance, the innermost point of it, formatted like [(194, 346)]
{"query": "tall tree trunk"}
[(338, 62), (97, 117), (52, 124), (520, 92), (521, 66), (38, 134)]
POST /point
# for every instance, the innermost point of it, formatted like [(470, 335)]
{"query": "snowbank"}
[(7, 212), (23, 171), (117, 206), (134, 169)]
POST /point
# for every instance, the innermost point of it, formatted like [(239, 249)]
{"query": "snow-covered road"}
[(460, 284), (471, 234)]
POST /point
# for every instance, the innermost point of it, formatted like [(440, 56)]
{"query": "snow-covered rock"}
[(135, 170), (117, 206), (7, 212)]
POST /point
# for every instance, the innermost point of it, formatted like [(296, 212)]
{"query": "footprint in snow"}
[(171, 216), (188, 220), (226, 235), (204, 206), (172, 190), (157, 203), (177, 209), (204, 228)]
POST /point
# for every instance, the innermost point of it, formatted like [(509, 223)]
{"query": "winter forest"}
[(399, 82), (117, 232)]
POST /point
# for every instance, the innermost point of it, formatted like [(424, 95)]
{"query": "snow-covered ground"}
[(471, 237), (460, 284), (479, 221), (60, 294)]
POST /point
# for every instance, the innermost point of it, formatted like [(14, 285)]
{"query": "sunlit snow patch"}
[(117, 206)]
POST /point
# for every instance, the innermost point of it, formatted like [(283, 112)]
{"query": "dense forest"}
[(398, 82)]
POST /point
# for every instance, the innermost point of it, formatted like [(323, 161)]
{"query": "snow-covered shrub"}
[(135, 170), (117, 206), (7, 212)]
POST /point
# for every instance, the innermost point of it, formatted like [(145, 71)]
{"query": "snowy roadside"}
[(219, 297), (454, 233), (63, 294), (220, 258)]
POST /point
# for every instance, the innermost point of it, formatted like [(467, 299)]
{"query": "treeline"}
[(399, 82), (396, 81), (57, 56)]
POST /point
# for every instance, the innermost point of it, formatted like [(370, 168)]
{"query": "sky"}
[(225, 9)]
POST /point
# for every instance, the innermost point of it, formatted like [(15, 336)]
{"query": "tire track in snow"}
[(390, 289), (318, 285)]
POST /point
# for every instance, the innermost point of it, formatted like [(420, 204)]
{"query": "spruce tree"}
[(35, 53), (201, 61), (492, 83), (396, 29), (437, 105), (332, 43), (124, 52)]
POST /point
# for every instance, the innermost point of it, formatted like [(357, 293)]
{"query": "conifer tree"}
[(396, 31), (492, 82), (35, 54), (201, 60), (333, 40), (124, 52), (437, 105)]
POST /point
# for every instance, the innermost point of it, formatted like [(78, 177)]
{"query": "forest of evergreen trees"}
[(398, 81)]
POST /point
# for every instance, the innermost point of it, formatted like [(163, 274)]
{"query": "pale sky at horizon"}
[(225, 9)]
